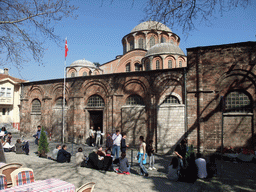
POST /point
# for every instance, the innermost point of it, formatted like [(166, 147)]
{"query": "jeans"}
[(98, 141), (115, 151), (142, 168), (151, 161)]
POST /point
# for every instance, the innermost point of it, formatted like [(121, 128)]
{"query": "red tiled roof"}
[(4, 76)]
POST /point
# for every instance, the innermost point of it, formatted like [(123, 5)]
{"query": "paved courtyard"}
[(232, 176)]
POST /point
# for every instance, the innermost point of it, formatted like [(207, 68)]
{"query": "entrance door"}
[(96, 120)]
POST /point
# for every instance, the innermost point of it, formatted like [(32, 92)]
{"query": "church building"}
[(154, 90)]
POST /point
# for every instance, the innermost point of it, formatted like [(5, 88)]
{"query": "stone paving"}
[(110, 181)]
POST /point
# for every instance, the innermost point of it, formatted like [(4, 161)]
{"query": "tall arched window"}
[(95, 101), (137, 67), (59, 102), (147, 67), (180, 63), (124, 48), (134, 100), (157, 64), (141, 43), (128, 67), (238, 102), (171, 99), (131, 43), (169, 64), (73, 74), (163, 40), (36, 106), (152, 41)]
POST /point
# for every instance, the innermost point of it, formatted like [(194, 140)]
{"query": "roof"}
[(16, 80), (164, 48), (82, 63), (149, 25)]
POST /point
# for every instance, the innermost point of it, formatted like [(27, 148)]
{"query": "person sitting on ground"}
[(124, 166), (101, 153), (80, 156), (55, 152), (63, 156), (173, 170), (94, 162), (22, 147), (9, 137), (7, 146), (108, 161), (3, 132), (201, 166)]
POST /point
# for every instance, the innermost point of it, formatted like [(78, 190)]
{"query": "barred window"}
[(152, 41), (163, 40), (84, 73), (157, 64), (59, 102), (238, 102), (134, 100), (95, 101), (36, 106), (137, 67), (141, 43), (128, 67), (180, 63), (171, 99), (169, 64), (73, 74)]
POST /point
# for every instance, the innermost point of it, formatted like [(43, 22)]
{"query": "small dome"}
[(148, 25), (164, 48), (82, 63)]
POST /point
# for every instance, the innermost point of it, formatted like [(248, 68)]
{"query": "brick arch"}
[(166, 94), (87, 85), (70, 71), (183, 60), (166, 59), (36, 90), (84, 69), (135, 86), (166, 77), (56, 93), (154, 62)]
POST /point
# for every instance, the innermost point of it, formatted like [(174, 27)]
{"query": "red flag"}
[(66, 47)]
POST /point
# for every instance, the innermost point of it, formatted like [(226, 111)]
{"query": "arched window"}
[(169, 64), (128, 67), (152, 41), (85, 73), (147, 65), (238, 102), (137, 67), (157, 64), (131, 42), (36, 106), (171, 99), (141, 43), (180, 63), (95, 101), (134, 100), (124, 48), (73, 74), (59, 102), (163, 40)]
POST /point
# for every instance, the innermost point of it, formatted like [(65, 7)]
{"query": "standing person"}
[(63, 156), (109, 142), (55, 152), (98, 137), (150, 152), (116, 143), (91, 135), (123, 143), (201, 166), (180, 151), (142, 156), (37, 135)]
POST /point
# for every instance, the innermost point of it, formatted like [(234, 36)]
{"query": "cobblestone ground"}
[(232, 176)]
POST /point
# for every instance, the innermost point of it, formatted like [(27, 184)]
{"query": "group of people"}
[(187, 167), (95, 136), (21, 147), (60, 154)]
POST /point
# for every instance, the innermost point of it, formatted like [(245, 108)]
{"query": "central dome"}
[(82, 63), (164, 48), (149, 25)]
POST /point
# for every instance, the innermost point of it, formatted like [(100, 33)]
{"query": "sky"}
[(97, 33)]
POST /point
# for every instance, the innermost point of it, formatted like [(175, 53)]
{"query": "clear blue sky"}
[(97, 33)]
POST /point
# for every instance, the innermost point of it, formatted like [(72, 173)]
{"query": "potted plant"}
[(43, 144)]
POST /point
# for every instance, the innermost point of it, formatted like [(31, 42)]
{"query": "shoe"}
[(150, 168), (146, 175), (154, 168)]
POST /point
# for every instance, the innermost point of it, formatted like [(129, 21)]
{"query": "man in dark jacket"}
[(123, 143), (63, 156)]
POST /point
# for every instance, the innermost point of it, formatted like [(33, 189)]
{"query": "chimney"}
[(6, 71)]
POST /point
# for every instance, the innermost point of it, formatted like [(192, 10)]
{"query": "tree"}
[(43, 144), (26, 24), (184, 13)]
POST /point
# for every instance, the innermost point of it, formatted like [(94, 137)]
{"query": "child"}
[(123, 143), (173, 169), (123, 164), (150, 152)]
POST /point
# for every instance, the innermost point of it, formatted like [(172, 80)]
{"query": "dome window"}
[(147, 66), (128, 67), (163, 40), (141, 43), (73, 74), (169, 64), (180, 63), (84, 73), (137, 67), (131, 42), (157, 64), (152, 41)]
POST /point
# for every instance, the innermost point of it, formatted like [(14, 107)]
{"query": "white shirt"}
[(8, 146), (201, 165), (117, 139), (91, 132)]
